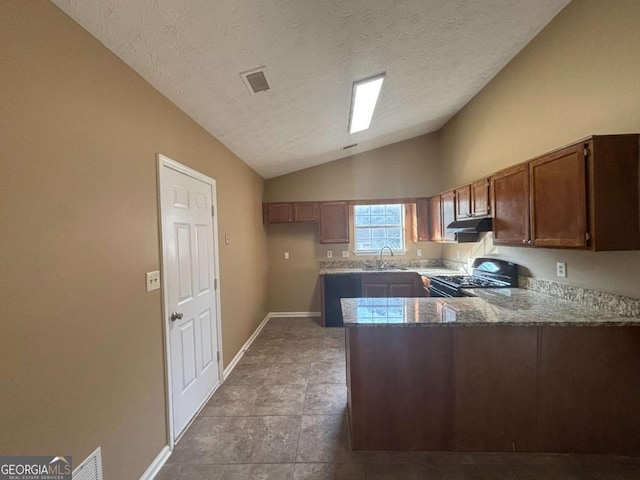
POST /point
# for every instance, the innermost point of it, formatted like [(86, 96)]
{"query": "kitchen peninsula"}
[(508, 370)]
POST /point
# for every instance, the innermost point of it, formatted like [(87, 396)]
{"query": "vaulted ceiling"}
[(437, 54)]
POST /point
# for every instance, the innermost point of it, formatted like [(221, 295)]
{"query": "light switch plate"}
[(329, 254), (419, 252), (286, 255), (561, 269), (153, 280), (345, 253)]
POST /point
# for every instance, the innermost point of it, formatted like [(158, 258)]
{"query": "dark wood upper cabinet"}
[(463, 202), (334, 222), (480, 204), (434, 224), (277, 213), (448, 209), (510, 195), (305, 212), (613, 194), (422, 220), (559, 199), (584, 196)]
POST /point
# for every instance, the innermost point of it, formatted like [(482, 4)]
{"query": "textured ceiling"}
[(437, 55)]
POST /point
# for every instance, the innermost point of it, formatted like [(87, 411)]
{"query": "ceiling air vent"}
[(255, 80)]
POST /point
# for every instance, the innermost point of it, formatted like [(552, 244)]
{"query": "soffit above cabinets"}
[(437, 54)]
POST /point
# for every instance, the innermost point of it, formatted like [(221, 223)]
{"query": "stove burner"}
[(468, 281), (487, 273)]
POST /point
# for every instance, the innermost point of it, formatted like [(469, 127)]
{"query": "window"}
[(378, 226)]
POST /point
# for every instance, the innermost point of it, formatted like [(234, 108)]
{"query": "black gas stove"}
[(486, 273)]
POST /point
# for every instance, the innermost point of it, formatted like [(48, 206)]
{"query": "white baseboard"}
[(244, 348), (227, 371), (162, 457), (157, 464)]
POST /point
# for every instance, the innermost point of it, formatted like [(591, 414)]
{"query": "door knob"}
[(176, 316)]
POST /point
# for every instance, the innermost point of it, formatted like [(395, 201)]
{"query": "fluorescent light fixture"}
[(365, 97)]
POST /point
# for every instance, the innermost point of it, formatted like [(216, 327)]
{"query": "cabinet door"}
[(374, 290), (510, 193), (480, 198), (559, 199), (435, 220), (463, 202), (400, 390), (495, 385), (279, 213), (448, 212), (334, 222), (589, 389), (305, 212), (422, 220), (406, 290)]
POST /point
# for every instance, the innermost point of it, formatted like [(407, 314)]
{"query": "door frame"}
[(165, 162)]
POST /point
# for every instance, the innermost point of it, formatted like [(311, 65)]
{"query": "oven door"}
[(436, 292)]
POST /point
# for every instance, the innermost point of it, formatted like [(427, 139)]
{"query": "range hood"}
[(468, 231), (471, 225)]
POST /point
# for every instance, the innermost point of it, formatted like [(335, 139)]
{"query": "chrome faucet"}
[(380, 264)]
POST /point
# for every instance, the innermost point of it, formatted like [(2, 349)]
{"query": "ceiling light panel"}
[(365, 97)]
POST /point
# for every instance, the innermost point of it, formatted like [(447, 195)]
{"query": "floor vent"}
[(255, 80), (90, 469)]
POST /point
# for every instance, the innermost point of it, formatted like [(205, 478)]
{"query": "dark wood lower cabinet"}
[(590, 389), (495, 384), (400, 388), (405, 285), (495, 388)]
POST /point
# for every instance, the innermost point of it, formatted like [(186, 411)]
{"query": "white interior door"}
[(189, 251)]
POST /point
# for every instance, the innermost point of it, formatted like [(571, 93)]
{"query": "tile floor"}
[(281, 415)]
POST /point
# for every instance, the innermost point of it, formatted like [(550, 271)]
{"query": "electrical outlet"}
[(329, 254), (345, 253), (153, 280), (286, 255), (419, 252), (458, 254), (561, 269)]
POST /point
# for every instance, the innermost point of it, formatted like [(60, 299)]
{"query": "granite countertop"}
[(424, 271), (493, 306)]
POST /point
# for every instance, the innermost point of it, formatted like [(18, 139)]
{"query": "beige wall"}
[(82, 348), (580, 76), (402, 170)]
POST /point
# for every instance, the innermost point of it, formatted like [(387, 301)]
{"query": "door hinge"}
[(213, 211), (586, 152), (215, 283)]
